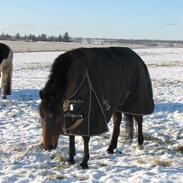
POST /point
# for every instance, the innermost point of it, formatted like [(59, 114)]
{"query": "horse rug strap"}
[(83, 113)]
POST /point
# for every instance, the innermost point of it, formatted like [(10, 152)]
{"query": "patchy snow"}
[(22, 160)]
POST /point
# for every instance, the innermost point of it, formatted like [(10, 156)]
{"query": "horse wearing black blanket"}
[(85, 87)]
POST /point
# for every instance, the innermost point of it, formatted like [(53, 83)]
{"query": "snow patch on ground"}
[(22, 159)]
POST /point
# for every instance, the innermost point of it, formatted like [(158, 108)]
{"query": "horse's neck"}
[(70, 89)]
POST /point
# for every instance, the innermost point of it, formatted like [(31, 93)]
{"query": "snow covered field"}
[(21, 159)]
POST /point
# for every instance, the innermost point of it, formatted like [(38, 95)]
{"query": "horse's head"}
[(51, 113)]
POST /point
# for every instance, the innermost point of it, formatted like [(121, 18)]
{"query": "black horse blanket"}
[(101, 81)]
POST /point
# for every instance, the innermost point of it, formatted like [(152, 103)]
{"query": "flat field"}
[(22, 160)]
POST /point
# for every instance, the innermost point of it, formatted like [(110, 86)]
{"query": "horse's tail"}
[(129, 128), (10, 56), (6, 70)]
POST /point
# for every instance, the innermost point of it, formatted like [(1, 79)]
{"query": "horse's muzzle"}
[(49, 147)]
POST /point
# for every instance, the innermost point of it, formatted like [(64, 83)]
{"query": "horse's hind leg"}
[(129, 128), (71, 149), (6, 85), (84, 163), (116, 130), (6, 77), (0, 79), (139, 120), (0, 70)]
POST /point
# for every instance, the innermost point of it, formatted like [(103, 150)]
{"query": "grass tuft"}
[(156, 140), (163, 162), (140, 161), (61, 177), (179, 149), (102, 164)]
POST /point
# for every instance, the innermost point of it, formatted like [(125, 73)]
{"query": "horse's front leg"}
[(84, 163), (139, 120), (116, 130), (71, 149)]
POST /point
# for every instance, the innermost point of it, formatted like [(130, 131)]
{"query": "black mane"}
[(56, 84)]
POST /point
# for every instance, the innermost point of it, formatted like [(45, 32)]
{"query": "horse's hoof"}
[(110, 151), (84, 165), (141, 147), (111, 148)]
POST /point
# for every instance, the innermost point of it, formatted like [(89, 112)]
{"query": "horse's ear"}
[(42, 94)]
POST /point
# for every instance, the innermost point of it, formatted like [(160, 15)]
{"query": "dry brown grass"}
[(23, 46), (179, 149), (55, 177), (161, 162), (28, 46)]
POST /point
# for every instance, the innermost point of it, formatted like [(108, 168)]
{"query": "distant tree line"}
[(42, 37), (130, 42)]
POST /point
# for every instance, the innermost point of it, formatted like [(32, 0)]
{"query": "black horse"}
[(6, 66), (85, 87)]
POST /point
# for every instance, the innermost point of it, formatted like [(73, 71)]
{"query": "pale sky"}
[(125, 19)]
